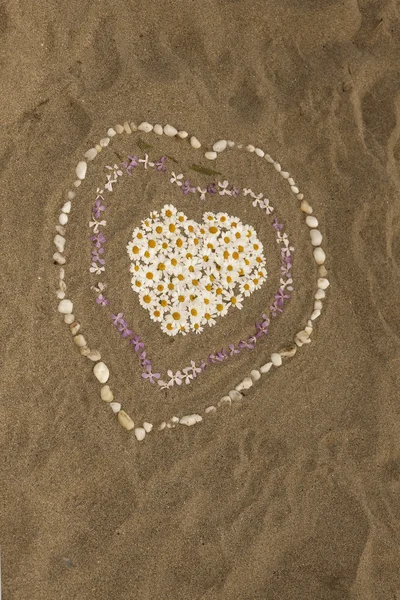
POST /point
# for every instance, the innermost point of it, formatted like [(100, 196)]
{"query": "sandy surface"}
[(294, 495)]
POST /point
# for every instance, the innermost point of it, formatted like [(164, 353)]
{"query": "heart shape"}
[(187, 274)]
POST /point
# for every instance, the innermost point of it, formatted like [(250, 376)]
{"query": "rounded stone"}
[(101, 372), (59, 242), (225, 401), (91, 154), (84, 351), (276, 359), (69, 318), (210, 155), (111, 132), (104, 142), (170, 131), (81, 169), (319, 256), (67, 207), (183, 134), (158, 129), (147, 426), (255, 375), (318, 305), (65, 307), (220, 146), (305, 207), (119, 128), (311, 221), (140, 433), (322, 283), (316, 313), (265, 368), (194, 142), (115, 407), (80, 341), (106, 394), (61, 230), (75, 327), (245, 384), (319, 294), (63, 219), (316, 237), (60, 294), (250, 148), (94, 355), (145, 126), (289, 351), (235, 395), (322, 271), (277, 167), (294, 189), (127, 128), (125, 421), (210, 410), (260, 152), (59, 258)]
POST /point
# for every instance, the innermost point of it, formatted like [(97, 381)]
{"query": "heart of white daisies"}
[(187, 273)]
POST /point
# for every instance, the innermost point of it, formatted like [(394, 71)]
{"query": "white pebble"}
[(77, 183), (309, 328), (170, 131), (162, 426), (260, 152), (316, 237), (276, 359), (245, 384), (127, 128), (315, 315), (98, 148), (231, 144), (239, 146), (225, 400), (158, 129), (291, 181), (265, 368), (59, 242), (59, 258), (94, 355), (183, 134), (311, 221), (84, 351), (115, 407), (220, 146), (104, 142), (210, 155), (319, 256), (210, 410), (125, 421), (174, 419), (285, 174), (322, 271), (65, 307), (322, 283), (67, 207), (69, 318), (71, 195), (235, 395), (194, 142), (106, 394), (81, 169), (277, 167), (63, 219), (91, 154), (305, 207), (75, 327), (111, 132), (62, 273), (119, 129), (147, 426), (60, 229), (318, 305), (250, 148), (190, 420), (60, 294), (300, 196), (289, 351), (133, 126), (140, 433), (320, 294), (269, 159), (255, 375), (294, 189), (302, 337), (145, 126), (80, 341), (101, 372)]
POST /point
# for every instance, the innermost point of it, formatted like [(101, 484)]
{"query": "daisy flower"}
[(246, 288), (147, 299)]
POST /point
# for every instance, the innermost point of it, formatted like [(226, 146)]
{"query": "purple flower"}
[(203, 365), (160, 164), (235, 191), (129, 165), (220, 356), (212, 358), (275, 309), (233, 350), (98, 239), (262, 328), (247, 344), (116, 319), (144, 361), (276, 225), (96, 256), (150, 376), (137, 344), (280, 297), (101, 300), (186, 188), (125, 332), (212, 188), (98, 208)]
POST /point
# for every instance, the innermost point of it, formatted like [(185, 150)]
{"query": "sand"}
[(295, 494)]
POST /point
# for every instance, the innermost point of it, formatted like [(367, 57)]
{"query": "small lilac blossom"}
[(98, 239), (220, 356), (275, 309), (246, 344), (150, 376), (116, 319), (129, 165), (175, 378), (137, 343), (186, 188), (98, 208), (160, 164), (126, 332), (235, 191), (276, 225), (280, 297), (233, 350), (102, 300), (212, 188), (262, 327), (96, 258)]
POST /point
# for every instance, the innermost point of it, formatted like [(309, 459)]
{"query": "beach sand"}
[(295, 493)]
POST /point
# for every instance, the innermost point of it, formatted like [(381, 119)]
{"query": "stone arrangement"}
[(173, 228)]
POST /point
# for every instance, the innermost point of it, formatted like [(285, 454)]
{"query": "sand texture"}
[(294, 494)]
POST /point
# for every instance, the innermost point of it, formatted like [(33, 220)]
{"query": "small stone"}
[(106, 394), (315, 315), (285, 174), (127, 128), (115, 407), (235, 395), (140, 433), (289, 351), (265, 368), (322, 271), (190, 420), (59, 242), (67, 207), (255, 375), (311, 221), (65, 307), (125, 421), (225, 401), (84, 351), (319, 256), (308, 329), (71, 195), (111, 132), (232, 144), (305, 207), (302, 337), (61, 230), (194, 142), (277, 167), (62, 285), (77, 183), (75, 327), (210, 410), (318, 305), (300, 196), (316, 237), (162, 426), (146, 127), (320, 294), (174, 420), (81, 169), (63, 219), (60, 294), (276, 359), (245, 384), (69, 319), (101, 372), (158, 129), (322, 283), (94, 355), (98, 148), (183, 134), (91, 154), (210, 155), (294, 189), (62, 273), (291, 181), (170, 131), (269, 159), (59, 258), (80, 341), (133, 126), (104, 142), (220, 146), (260, 152), (250, 148), (147, 426), (119, 129)]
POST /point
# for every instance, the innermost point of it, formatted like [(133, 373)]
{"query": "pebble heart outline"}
[(65, 306)]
